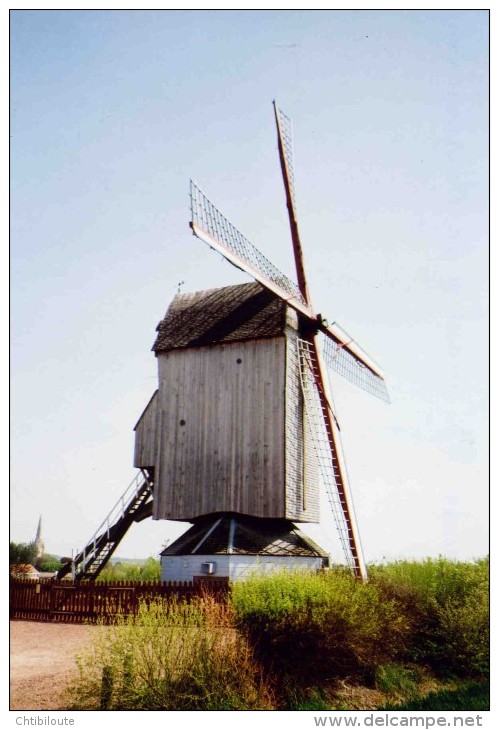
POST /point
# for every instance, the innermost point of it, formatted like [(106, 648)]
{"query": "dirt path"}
[(42, 662)]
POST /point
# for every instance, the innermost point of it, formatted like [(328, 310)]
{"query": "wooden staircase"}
[(133, 506)]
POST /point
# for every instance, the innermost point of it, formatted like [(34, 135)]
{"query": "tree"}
[(151, 569), (48, 563), (22, 552)]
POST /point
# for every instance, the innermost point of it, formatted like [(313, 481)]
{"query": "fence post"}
[(51, 601)]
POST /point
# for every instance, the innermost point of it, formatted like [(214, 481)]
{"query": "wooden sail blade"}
[(211, 226), (327, 447), (345, 357), (285, 145), (285, 141)]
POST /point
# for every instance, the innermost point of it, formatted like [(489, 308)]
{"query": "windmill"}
[(218, 445)]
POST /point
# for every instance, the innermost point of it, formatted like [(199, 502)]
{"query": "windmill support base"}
[(233, 546)]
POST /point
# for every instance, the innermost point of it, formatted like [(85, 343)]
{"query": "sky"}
[(111, 114)]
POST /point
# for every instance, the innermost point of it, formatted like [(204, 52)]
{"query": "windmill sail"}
[(321, 422), (341, 360), (341, 353), (285, 139), (344, 355), (326, 445), (285, 145), (212, 227)]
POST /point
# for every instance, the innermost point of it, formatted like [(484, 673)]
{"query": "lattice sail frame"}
[(338, 358), (285, 127), (208, 219)]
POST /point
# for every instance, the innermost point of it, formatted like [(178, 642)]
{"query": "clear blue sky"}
[(113, 111)]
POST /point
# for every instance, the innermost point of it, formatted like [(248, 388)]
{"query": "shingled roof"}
[(238, 534), (229, 314)]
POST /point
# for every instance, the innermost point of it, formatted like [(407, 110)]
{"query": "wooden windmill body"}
[(241, 435), (225, 435), (227, 431)]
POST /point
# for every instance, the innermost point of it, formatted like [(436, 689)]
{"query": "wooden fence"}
[(87, 601)]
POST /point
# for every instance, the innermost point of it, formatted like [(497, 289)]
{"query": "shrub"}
[(48, 563), (327, 624), (462, 635), (446, 605), (172, 656)]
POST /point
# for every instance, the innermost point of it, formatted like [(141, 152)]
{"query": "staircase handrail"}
[(117, 510)]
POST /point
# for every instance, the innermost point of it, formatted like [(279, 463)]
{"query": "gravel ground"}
[(42, 662)]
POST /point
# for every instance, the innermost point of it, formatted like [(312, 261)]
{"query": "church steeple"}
[(40, 547)]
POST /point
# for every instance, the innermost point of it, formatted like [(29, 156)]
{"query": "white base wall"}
[(235, 567)]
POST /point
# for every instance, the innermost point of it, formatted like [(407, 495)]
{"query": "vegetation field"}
[(416, 636), (149, 569)]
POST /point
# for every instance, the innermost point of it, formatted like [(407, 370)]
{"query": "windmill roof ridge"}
[(225, 314), (211, 290)]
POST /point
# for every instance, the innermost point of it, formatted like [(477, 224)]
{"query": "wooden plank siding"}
[(222, 423), (146, 435)]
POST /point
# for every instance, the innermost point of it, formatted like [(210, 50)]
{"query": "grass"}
[(171, 656), (466, 696), (429, 693), (397, 681)]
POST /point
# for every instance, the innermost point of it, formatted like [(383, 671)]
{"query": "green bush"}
[(171, 656), (48, 563), (327, 624), (446, 605), (462, 635)]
